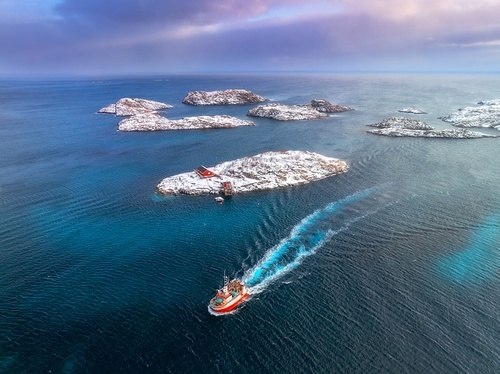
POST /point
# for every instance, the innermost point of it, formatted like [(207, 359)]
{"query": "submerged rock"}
[(486, 115), (401, 126), (155, 122), (133, 106), (265, 171), (282, 112), (226, 97), (326, 107)]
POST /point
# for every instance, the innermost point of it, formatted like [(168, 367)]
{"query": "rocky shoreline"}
[(402, 126), (265, 171)]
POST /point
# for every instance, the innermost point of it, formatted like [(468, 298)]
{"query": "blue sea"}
[(392, 267)]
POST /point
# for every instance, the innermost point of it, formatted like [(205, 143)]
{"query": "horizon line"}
[(118, 75)]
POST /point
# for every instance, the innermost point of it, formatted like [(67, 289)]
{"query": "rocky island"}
[(226, 97), (325, 106), (132, 106), (412, 111), (265, 171), (282, 112), (485, 115), (401, 126), (314, 109), (155, 122)]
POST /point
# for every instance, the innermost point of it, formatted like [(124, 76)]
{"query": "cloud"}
[(418, 8), (171, 12), (147, 35)]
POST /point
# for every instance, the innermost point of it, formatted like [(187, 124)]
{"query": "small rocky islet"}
[(264, 171), (324, 106), (411, 110), (282, 112), (155, 122), (223, 97), (315, 109), (133, 106)]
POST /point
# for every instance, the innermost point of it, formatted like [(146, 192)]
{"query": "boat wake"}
[(308, 236)]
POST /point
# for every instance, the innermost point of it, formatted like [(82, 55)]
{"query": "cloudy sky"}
[(150, 36)]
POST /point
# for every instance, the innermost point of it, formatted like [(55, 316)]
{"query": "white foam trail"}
[(304, 240)]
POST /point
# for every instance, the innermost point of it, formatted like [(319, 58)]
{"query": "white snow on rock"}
[(282, 112), (485, 115), (446, 133), (489, 102), (155, 122), (403, 123), (265, 171), (226, 97), (134, 106), (412, 111)]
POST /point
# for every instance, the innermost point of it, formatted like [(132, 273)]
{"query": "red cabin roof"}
[(203, 172)]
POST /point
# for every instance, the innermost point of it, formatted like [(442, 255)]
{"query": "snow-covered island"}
[(282, 112), (132, 106), (412, 111), (325, 106), (485, 115), (143, 116), (314, 109), (155, 122), (225, 97), (401, 126), (265, 171)]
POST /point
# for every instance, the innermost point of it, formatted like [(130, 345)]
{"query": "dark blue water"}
[(393, 266)]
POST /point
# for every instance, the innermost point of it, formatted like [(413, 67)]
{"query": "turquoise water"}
[(390, 267), (480, 260)]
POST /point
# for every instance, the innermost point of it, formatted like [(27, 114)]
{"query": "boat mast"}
[(226, 283)]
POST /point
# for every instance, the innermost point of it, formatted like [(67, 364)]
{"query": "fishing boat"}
[(229, 296)]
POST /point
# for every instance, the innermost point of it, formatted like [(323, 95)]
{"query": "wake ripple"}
[(306, 238)]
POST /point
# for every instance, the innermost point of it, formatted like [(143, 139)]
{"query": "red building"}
[(227, 188), (203, 172)]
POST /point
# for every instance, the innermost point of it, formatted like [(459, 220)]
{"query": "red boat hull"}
[(230, 307)]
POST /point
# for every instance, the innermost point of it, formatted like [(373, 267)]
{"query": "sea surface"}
[(392, 267)]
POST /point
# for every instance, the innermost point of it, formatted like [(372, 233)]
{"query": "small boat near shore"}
[(227, 298)]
